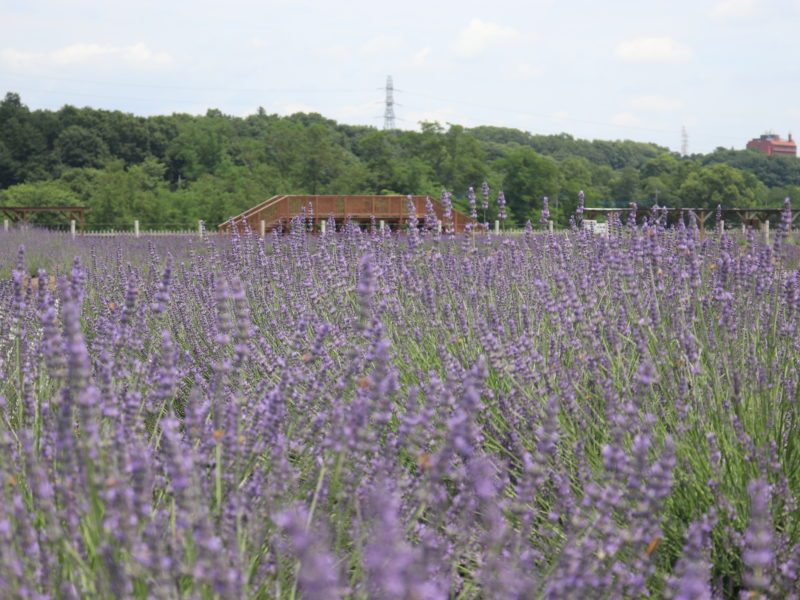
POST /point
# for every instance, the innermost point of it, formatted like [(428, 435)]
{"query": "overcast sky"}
[(728, 70)]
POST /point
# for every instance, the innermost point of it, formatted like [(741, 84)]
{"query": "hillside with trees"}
[(170, 171)]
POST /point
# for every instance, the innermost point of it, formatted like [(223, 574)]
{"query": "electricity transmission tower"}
[(388, 114), (684, 142)]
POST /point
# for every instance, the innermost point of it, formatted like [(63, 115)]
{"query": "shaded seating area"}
[(22, 214)]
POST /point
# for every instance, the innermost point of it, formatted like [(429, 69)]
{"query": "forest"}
[(169, 172)]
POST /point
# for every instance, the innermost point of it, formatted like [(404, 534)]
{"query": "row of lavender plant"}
[(373, 415)]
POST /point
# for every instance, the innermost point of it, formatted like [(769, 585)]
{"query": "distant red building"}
[(771, 143)]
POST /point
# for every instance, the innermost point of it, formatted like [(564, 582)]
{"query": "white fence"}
[(135, 232), (595, 227), (144, 232)]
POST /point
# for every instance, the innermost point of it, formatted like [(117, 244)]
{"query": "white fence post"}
[(200, 228), (136, 228), (72, 227), (550, 226), (380, 225), (497, 227), (766, 232), (722, 226), (262, 227), (5, 224), (322, 227)]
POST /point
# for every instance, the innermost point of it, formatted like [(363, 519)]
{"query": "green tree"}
[(77, 146), (723, 185), (625, 186), (527, 177), (464, 164)]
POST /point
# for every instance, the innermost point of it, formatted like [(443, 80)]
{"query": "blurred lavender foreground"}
[(353, 416)]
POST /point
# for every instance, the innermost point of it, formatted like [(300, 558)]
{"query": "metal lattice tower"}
[(684, 142), (388, 114)]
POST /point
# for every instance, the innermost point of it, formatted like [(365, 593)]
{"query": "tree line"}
[(171, 171)]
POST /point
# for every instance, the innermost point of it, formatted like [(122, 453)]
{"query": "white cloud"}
[(257, 42), (653, 49), (337, 52), (732, 9), (655, 103), (16, 60), (381, 45), (78, 54), (478, 36), (140, 54), (422, 57), (525, 71), (627, 119), (428, 60)]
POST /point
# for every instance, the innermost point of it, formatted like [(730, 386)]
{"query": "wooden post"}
[(72, 227), (136, 228)]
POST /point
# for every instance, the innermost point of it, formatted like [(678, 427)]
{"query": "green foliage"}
[(528, 177), (77, 146), (720, 184), (170, 171)]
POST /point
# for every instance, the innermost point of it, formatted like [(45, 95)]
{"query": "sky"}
[(726, 70)]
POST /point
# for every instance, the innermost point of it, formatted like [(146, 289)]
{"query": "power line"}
[(187, 87), (389, 102)]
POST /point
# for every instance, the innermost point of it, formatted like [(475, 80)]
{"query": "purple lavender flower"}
[(317, 576), (545, 218), (473, 207), (484, 198), (447, 212), (413, 224), (758, 554), (501, 205)]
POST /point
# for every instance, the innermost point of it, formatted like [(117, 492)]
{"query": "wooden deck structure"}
[(751, 217), (22, 214), (392, 210)]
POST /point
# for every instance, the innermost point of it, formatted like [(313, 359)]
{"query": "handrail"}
[(398, 202), (257, 208)]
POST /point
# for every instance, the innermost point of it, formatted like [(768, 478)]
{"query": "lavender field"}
[(422, 416)]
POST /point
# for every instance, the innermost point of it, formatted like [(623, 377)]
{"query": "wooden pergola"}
[(22, 214), (749, 216)]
